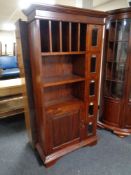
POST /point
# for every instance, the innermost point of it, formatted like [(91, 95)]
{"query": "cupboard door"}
[(94, 37), (127, 122), (63, 128), (128, 116)]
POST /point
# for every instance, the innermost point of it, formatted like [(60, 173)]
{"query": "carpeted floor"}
[(111, 156)]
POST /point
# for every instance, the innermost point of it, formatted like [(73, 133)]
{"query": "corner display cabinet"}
[(116, 112), (65, 54)]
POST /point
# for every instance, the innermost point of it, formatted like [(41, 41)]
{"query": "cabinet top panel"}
[(122, 10), (44, 11), (119, 13)]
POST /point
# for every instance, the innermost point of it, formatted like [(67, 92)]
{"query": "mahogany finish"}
[(65, 55), (116, 101)]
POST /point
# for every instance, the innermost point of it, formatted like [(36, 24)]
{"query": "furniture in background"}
[(65, 55), (4, 49), (26, 81), (11, 99), (116, 99), (9, 67)]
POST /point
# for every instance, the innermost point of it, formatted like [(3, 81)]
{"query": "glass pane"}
[(121, 51), (94, 36), (117, 89), (109, 70), (126, 30), (130, 95), (91, 109), (92, 87), (119, 30), (118, 71), (110, 50), (107, 88), (93, 64), (90, 128), (111, 27), (123, 28)]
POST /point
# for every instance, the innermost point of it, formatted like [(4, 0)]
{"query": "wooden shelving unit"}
[(65, 65)]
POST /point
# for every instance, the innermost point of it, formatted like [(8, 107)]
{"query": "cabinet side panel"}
[(36, 67), (25, 69)]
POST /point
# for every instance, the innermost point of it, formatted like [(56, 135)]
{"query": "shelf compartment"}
[(61, 69), (83, 28), (65, 36), (55, 30), (59, 80), (74, 37), (45, 36), (64, 93), (92, 87), (63, 101)]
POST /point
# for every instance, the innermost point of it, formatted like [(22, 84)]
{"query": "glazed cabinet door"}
[(127, 122), (63, 128)]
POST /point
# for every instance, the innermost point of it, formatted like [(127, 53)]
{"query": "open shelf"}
[(114, 80), (63, 101), (63, 53), (63, 69), (59, 80), (64, 93), (55, 30)]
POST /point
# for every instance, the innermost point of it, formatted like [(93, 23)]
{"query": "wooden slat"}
[(62, 53), (50, 36), (70, 37), (60, 30), (78, 36)]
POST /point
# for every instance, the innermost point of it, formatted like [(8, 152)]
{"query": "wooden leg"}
[(93, 143), (119, 134), (49, 164)]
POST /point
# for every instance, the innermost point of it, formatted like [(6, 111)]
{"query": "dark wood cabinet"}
[(116, 106), (65, 46)]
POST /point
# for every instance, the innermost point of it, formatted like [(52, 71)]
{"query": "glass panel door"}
[(123, 27), (117, 52)]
